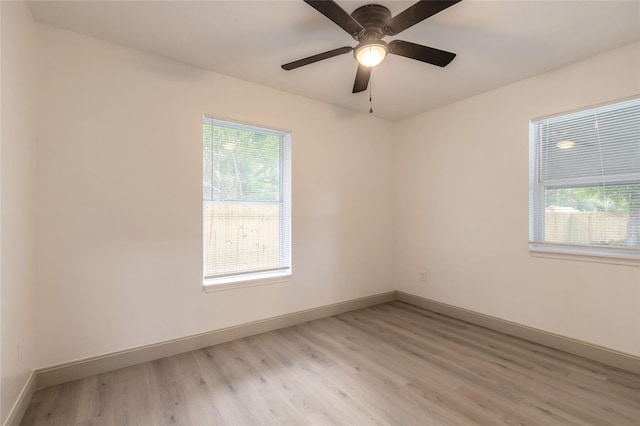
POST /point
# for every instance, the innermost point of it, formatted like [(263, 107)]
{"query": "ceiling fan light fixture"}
[(371, 54)]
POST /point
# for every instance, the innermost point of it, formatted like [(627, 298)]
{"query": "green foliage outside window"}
[(241, 165)]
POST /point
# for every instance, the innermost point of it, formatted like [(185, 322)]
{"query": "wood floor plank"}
[(389, 364), (486, 365), (502, 367)]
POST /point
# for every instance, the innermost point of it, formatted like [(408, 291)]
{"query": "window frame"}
[(266, 276), (537, 244)]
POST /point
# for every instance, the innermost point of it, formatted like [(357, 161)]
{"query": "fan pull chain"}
[(370, 92)]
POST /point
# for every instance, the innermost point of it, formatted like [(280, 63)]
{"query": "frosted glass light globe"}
[(371, 54)]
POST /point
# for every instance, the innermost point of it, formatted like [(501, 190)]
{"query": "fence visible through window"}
[(241, 237)]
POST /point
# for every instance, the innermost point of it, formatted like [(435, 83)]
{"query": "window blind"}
[(585, 178), (247, 199)]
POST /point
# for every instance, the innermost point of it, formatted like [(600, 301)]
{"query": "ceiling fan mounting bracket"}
[(373, 18)]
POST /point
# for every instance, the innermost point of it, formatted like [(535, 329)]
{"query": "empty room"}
[(319, 212)]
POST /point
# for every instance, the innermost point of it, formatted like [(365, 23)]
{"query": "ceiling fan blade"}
[(417, 12), (362, 79), (331, 10), (422, 53), (315, 58)]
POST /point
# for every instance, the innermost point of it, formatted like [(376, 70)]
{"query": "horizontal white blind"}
[(247, 199), (585, 178)]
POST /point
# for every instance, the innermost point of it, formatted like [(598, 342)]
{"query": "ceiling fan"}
[(368, 25)]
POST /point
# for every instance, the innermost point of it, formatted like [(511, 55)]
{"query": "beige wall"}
[(462, 209), (17, 173), (119, 192)]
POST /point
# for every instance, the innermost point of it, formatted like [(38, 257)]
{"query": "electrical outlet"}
[(423, 276)]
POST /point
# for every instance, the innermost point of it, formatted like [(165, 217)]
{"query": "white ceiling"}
[(497, 42)]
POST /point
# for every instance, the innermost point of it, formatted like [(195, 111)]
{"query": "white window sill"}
[(245, 280), (627, 257)]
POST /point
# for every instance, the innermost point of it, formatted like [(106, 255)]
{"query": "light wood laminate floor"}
[(388, 364)]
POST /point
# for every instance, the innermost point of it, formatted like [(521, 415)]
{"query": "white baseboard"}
[(586, 350), (62, 373), (24, 398)]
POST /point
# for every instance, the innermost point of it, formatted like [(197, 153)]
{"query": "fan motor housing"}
[(373, 17)]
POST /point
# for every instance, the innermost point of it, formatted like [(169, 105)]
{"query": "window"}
[(246, 204), (585, 182)]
